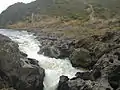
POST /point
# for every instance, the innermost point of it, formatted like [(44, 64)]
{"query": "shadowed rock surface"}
[(104, 74), (81, 57), (16, 70)]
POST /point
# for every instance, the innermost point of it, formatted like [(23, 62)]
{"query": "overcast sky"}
[(5, 3)]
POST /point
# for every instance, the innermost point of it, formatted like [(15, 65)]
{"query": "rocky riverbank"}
[(17, 72), (98, 53)]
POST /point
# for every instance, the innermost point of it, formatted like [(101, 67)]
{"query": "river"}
[(54, 68)]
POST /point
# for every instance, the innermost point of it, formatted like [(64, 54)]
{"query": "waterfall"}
[(54, 68)]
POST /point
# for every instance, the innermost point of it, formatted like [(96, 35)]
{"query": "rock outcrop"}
[(105, 72), (16, 70), (53, 46), (99, 53)]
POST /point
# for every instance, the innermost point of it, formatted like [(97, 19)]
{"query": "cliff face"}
[(69, 8)]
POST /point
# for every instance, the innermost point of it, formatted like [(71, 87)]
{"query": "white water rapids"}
[(54, 68)]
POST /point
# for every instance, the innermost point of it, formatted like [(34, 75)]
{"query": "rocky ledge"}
[(17, 72), (100, 54)]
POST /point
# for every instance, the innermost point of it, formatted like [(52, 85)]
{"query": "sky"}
[(5, 3)]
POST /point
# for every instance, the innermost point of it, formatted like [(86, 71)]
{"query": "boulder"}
[(114, 78), (83, 75), (80, 84), (55, 51), (77, 84), (52, 45), (90, 75), (81, 58), (63, 83), (16, 70), (50, 51)]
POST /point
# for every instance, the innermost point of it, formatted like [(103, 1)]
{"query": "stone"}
[(16, 70), (63, 83), (114, 78), (81, 58), (50, 51), (77, 84)]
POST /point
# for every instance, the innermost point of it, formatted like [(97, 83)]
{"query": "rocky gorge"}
[(60, 45), (98, 54)]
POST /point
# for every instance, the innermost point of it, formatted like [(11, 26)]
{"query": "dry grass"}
[(71, 28)]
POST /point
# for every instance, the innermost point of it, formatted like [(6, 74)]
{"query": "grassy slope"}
[(70, 8), (73, 18)]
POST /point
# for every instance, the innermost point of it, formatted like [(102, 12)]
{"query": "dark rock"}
[(33, 61), (81, 57), (108, 89), (63, 79), (118, 89), (23, 54), (91, 75), (52, 45), (77, 84), (8, 88), (100, 53), (111, 61), (64, 51), (4, 80), (16, 70), (9, 56), (118, 54), (55, 51), (91, 44), (83, 75), (111, 37), (95, 74), (108, 36), (50, 51), (114, 78), (105, 73), (63, 83), (109, 71)]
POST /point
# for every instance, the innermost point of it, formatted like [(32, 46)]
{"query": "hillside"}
[(71, 18), (19, 11), (70, 8)]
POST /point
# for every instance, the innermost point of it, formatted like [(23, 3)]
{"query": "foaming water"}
[(54, 68)]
